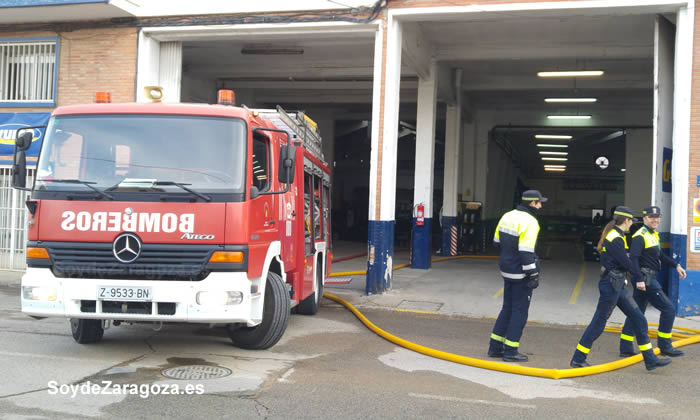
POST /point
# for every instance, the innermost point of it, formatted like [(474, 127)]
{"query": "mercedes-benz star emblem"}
[(127, 247)]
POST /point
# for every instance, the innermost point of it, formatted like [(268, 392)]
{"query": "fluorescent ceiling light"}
[(571, 73), (569, 117), (555, 169), (566, 100), (268, 50), (623, 170), (553, 136), (552, 145), (555, 166), (555, 158), (545, 152)]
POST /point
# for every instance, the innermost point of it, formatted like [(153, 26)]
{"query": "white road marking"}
[(42, 356), (286, 375), (470, 401), (515, 386)]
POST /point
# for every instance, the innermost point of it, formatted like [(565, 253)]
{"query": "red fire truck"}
[(176, 213)]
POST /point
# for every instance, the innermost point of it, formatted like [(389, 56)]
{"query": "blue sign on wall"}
[(34, 3), (10, 122), (666, 170)]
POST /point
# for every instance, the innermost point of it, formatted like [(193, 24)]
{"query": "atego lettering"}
[(115, 221)]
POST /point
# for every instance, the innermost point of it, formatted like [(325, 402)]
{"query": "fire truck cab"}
[(176, 213)]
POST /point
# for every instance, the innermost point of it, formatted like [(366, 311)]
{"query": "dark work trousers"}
[(611, 296), (513, 316), (656, 296)]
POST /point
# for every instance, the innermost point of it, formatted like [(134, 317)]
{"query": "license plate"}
[(125, 293)]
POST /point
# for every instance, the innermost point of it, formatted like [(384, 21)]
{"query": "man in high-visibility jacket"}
[(516, 235), (645, 252)]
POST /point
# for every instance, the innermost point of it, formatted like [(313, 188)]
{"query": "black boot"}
[(579, 360), (652, 362), (627, 348), (517, 357), (511, 354), (667, 348), (495, 348)]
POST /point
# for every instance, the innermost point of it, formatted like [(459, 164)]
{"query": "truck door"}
[(263, 212), (309, 234)]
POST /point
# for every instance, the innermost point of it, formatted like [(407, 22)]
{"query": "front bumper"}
[(77, 298)]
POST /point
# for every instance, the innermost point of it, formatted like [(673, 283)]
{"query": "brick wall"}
[(90, 60), (97, 60)]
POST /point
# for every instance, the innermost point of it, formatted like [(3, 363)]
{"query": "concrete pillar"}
[(468, 160), (664, 40), (484, 123), (687, 295), (382, 181), (159, 64), (148, 66), (639, 168), (453, 125), (170, 74), (664, 46), (424, 168)]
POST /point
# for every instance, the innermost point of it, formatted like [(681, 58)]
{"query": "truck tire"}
[(310, 305), (274, 322), (86, 331)]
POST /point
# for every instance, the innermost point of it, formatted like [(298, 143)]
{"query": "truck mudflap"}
[(222, 297)]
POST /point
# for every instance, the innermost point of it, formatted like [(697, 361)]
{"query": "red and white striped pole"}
[(453, 240)]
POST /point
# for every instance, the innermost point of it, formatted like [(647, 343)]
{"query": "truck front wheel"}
[(274, 322), (86, 331)]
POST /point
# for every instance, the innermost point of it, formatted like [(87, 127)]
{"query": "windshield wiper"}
[(183, 186), (78, 181), (149, 183)]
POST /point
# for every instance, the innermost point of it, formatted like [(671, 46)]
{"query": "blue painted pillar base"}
[(421, 245), (380, 255), (447, 223), (685, 294)]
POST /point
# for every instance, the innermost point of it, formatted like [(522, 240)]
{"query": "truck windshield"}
[(143, 153)]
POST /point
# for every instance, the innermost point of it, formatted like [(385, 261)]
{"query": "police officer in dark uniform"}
[(516, 235), (616, 264), (645, 252)]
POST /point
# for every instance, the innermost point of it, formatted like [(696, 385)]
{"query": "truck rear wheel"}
[(274, 322), (310, 305), (86, 331)]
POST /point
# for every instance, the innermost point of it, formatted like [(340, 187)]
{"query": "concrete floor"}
[(567, 295)]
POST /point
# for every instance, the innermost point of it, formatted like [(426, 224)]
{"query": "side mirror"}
[(24, 140), (288, 155), (19, 170), (254, 191)]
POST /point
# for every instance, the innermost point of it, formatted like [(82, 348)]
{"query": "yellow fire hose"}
[(682, 340), (508, 368)]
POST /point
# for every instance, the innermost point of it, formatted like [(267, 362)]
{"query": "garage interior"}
[(604, 160)]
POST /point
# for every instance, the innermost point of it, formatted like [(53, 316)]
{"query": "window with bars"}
[(27, 72)]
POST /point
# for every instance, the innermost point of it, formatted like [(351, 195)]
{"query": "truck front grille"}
[(156, 261)]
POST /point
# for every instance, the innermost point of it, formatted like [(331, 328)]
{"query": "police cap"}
[(624, 211), (533, 195), (651, 211)]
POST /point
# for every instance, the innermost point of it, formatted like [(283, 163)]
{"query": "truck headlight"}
[(39, 293), (219, 298)]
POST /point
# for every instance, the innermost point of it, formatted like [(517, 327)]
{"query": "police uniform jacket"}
[(516, 235), (614, 254), (645, 250)]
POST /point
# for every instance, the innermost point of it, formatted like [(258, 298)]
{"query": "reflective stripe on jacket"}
[(645, 250), (516, 235)]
